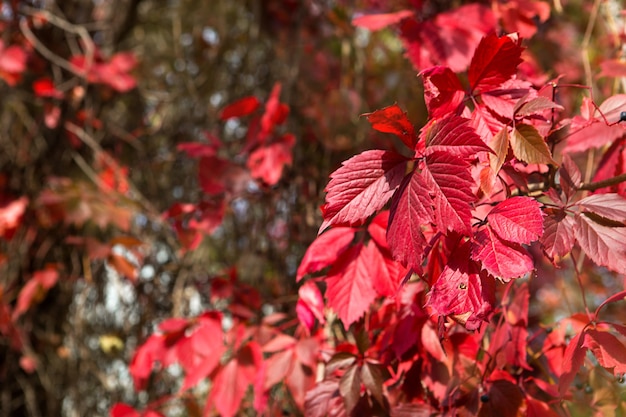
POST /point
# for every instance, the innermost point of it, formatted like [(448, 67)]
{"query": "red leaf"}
[(558, 236), (12, 63), (608, 350), (535, 105), (240, 108), (350, 289), (603, 244), (375, 22), (536, 408), (206, 349), (517, 219), (393, 119), (503, 100), (569, 176), (411, 208), (573, 359), (217, 176), (35, 290), (503, 399), (450, 182), (350, 387), (494, 62), (123, 410), (443, 91), (504, 260), (529, 146), (362, 186), (268, 161), (44, 87), (612, 68), (310, 305), (610, 206), (460, 292), (591, 130), (325, 250), (454, 136), (449, 38), (232, 381), (323, 398), (11, 214), (386, 273), (275, 112)]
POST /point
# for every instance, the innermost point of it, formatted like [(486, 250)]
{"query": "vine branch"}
[(592, 186)]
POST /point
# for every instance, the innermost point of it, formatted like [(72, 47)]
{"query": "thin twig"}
[(592, 186)]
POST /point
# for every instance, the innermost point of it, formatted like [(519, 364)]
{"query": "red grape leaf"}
[(454, 135), (517, 219), (362, 186), (535, 105), (443, 91), (233, 379), (500, 146), (386, 274), (558, 236), (350, 289), (373, 377), (325, 250), (608, 350), (536, 408), (310, 305), (267, 162), (610, 206), (379, 21), (461, 292), (377, 229), (239, 108), (591, 130), (502, 100), (350, 387), (411, 208), (612, 68), (275, 112), (123, 410), (504, 260), (449, 179), (504, 399), (448, 39), (573, 359), (603, 244), (206, 349), (494, 62), (569, 176), (393, 119), (529, 146), (323, 398)]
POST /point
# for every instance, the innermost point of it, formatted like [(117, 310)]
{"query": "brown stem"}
[(592, 186)]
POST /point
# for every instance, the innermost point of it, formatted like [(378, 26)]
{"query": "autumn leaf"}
[(393, 119), (529, 146), (517, 219), (558, 237), (349, 284), (450, 182), (325, 250), (233, 379), (603, 244), (494, 62), (454, 136), (502, 259), (411, 208), (379, 21), (362, 186), (443, 91), (573, 359), (240, 108)]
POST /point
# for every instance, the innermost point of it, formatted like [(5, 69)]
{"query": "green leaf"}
[(529, 146)]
